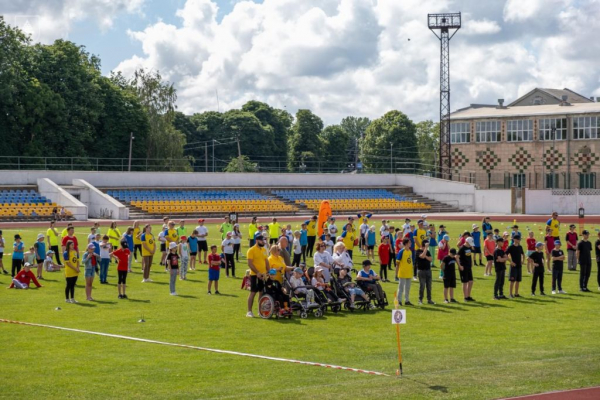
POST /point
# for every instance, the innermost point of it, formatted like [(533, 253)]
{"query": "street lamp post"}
[(131, 137), (391, 157)]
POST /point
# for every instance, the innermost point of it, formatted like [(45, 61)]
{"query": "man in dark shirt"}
[(598, 258), (466, 267), (423, 259), (558, 259), (516, 257), (500, 258), (584, 256), (538, 268)]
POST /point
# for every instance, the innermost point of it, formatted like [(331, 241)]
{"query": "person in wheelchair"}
[(318, 281), (299, 287), (350, 287), (275, 289), (367, 280)]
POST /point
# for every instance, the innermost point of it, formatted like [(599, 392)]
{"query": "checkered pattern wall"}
[(487, 160), (459, 160), (584, 159), (521, 160)]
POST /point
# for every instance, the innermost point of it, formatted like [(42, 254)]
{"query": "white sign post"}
[(398, 316)]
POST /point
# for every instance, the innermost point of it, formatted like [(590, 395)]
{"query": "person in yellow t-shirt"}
[(420, 235), (277, 263), (554, 225), (137, 241), (52, 237), (274, 230), (349, 235), (114, 235), (311, 234), (71, 271), (65, 232), (148, 250), (258, 263), (404, 271), (172, 236), (252, 229)]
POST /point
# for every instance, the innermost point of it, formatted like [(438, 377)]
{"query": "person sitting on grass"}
[(49, 265), (214, 269), (275, 289), (23, 279), (90, 262), (350, 287), (448, 266)]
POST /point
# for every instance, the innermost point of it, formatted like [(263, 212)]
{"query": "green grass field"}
[(481, 350)]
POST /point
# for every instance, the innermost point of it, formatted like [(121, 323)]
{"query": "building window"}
[(553, 129), (519, 180), (586, 127), (460, 132), (487, 131), (552, 181), (519, 130), (587, 181)]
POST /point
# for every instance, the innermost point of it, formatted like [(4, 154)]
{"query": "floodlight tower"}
[(447, 25)]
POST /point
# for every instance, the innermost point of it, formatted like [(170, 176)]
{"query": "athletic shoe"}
[(125, 296), (399, 303), (408, 303), (512, 297), (144, 280), (562, 292), (503, 297), (533, 294), (173, 293), (517, 295), (74, 301), (120, 296), (554, 292), (67, 300), (249, 314), (217, 292), (6, 273), (209, 292), (415, 279), (420, 303), (431, 302), (149, 280), (496, 298), (586, 290), (446, 301), (453, 301), (543, 294)]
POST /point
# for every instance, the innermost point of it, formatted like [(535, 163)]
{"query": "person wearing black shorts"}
[(517, 258), (258, 263), (538, 268), (465, 258), (449, 268), (500, 259)]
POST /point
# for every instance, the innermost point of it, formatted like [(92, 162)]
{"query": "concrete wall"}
[(493, 201), (543, 202), (457, 194), (100, 205), (58, 195)]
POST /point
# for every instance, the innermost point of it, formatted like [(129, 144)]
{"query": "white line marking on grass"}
[(235, 353)]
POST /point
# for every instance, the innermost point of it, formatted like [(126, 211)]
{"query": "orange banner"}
[(324, 214)]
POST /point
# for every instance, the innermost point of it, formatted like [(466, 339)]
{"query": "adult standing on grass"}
[(324, 260), (274, 230), (252, 229), (225, 227), (202, 243), (52, 236), (554, 225), (283, 249), (114, 235), (311, 234), (71, 257), (597, 244), (584, 256), (137, 241), (259, 265), (465, 261), (148, 250)]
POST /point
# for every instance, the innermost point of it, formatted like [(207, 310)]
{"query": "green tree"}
[(305, 146), (335, 144), (428, 139), (390, 138), (245, 164), (355, 127)]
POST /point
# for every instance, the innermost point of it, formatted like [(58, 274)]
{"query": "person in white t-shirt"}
[(92, 235), (296, 249), (163, 247), (328, 242), (324, 260), (425, 223), (332, 229), (341, 258), (227, 249), (202, 243), (384, 228), (364, 228), (237, 241)]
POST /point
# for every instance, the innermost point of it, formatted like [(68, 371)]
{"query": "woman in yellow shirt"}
[(137, 241), (114, 235), (349, 236), (277, 263), (71, 271), (252, 229)]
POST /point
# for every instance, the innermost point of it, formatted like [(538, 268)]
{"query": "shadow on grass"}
[(187, 296), (158, 283), (194, 280), (48, 280), (138, 300), (226, 295), (433, 308), (436, 388), (104, 302), (484, 304), (85, 305)]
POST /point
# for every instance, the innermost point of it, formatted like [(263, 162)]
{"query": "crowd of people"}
[(276, 253)]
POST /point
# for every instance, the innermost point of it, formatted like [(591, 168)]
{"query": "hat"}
[(319, 269), (200, 220), (539, 244), (557, 242), (298, 270), (470, 241), (517, 237), (183, 238), (27, 264), (505, 233), (238, 225), (348, 283), (366, 262), (585, 232), (446, 238), (40, 236), (258, 236), (91, 246), (229, 233), (474, 226), (49, 252), (419, 221), (172, 245), (424, 216), (272, 271)]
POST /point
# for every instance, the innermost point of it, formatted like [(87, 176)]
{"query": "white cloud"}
[(481, 27)]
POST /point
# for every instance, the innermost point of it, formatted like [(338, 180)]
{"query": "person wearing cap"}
[(500, 259), (554, 226), (40, 253), (516, 257), (183, 249), (49, 265), (311, 234), (299, 287), (172, 262), (558, 259), (368, 279), (476, 235), (258, 263), (53, 237), (274, 230), (252, 229), (571, 239), (227, 250), (537, 262), (17, 255), (202, 242), (424, 219), (226, 226), (123, 255), (423, 259), (584, 257), (404, 271), (23, 279), (90, 262), (148, 250), (465, 260)]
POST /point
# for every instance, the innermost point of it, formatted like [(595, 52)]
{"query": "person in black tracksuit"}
[(584, 255), (558, 260), (538, 268), (500, 258), (598, 258)]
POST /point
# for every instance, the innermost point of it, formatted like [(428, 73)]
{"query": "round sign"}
[(398, 316)]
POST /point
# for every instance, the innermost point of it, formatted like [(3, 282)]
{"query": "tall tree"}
[(279, 120), (355, 127), (428, 139), (335, 144), (305, 147), (390, 144)]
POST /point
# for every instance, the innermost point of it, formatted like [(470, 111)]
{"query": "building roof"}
[(526, 111), (572, 97)]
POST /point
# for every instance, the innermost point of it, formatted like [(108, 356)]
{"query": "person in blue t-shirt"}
[(370, 238), (303, 240), (476, 235), (193, 244), (367, 279), (17, 256)]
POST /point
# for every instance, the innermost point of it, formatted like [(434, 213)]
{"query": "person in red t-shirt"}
[(122, 254), (384, 257), (549, 239), (572, 239), (214, 269), (530, 250), (24, 278), (70, 236)]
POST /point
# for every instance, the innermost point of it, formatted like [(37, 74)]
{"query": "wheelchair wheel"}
[(266, 306), (318, 313), (303, 315), (335, 309)]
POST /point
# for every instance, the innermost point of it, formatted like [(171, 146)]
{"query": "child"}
[(350, 287), (332, 230), (163, 247), (319, 282), (90, 262), (443, 251), (289, 234), (303, 240), (384, 258), (237, 241), (558, 258), (506, 241), (500, 258), (448, 266), (24, 278), (214, 269), (516, 258), (124, 256), (2, 243), (363, 229), (193, 244), (515, 232), (227, 248), (71, 270), (328, 244), (49, 265), (441, 233), (17, 255), (172, 261), (537, 263), (549, 239), (404, 272), (299, 287), (275, 289), (489, 246), (476, 235), (105, 250), (128, 238), (496, 234), (297, 249), (184, 253), (40, 254), (433, 243), (423, 259), (572, 239), (370, 240), (245, 282), (530, 250), (30, 256)]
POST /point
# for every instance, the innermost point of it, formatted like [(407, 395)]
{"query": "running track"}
[(576, 394)]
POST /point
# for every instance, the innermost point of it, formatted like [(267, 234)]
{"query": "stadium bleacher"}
[(25, 203), (177, 201), (351, 199)]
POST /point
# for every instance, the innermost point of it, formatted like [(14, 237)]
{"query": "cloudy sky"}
[(335, 57)]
